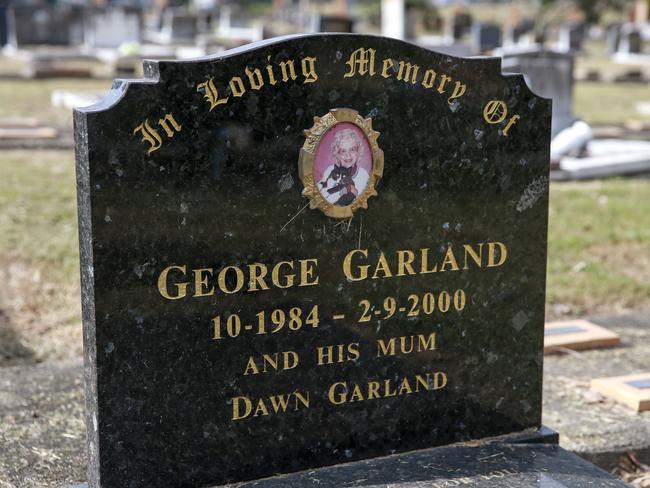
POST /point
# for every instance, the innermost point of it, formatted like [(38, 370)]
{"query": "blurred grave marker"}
[(30, 25), (112, 26), (577, 335), (486, 36), (631, 390), (550, 74)]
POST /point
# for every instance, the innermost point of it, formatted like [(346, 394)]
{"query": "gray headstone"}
[(613, 37), (571, 37), (110, 27), (486, 37), (549, 74), (630, 41), (179, 25)]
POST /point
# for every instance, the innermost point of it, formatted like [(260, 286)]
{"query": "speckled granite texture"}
[(498, 465), (488, 466), (222, 189)]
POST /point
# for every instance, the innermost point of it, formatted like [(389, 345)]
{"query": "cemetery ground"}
[(598, 264)]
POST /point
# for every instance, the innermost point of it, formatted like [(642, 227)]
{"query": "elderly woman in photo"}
[(344, 180)]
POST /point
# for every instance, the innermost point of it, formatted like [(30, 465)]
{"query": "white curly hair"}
[(344, 134)]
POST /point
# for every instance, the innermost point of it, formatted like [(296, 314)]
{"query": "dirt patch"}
[(39, 320), (629, 259)]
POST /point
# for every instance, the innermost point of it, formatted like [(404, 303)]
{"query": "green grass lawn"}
[(32, 98), (38, 220), (599, 245), (609, 103)]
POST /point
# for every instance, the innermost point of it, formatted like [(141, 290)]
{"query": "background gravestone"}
[(486, 36), (112, 27), (36, 24), (550, 74), (195, 171)]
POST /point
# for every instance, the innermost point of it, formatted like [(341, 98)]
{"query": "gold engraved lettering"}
[(477, 257), (424, 260), (272, 362), (201, 282), (343, 392), (292, 70), (405, 74), (308, 65), (373, 390), (385, 66), (443, 81), (269, 72), (149, 135), (429, 78), (275, 275), (361, 61), (239, 279), (406, 344), (181, 288), (211, 94), (404, 263), (165, 123), (450, 260), (361, 271), (307, 272), (503, 254), (337, 354), (257, 272), (405, 387), (254, 78), (237, 86), (510, 123), (495, 111), (459, 91), (242, 406), (382, 267)]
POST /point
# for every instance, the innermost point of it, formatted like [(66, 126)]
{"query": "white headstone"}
[(392, 18)]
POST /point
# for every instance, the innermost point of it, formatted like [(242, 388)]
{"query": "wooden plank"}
[(631, 390), (577, 335)]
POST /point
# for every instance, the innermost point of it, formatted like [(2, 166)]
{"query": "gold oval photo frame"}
[(313, 137)]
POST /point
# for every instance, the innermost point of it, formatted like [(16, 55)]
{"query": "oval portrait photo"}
[(343, 164), (340, 162)]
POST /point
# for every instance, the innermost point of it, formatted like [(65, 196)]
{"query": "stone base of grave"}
[(492, 465), (531, 459)]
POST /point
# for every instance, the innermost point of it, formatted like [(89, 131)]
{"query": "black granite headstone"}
[(309, 251)]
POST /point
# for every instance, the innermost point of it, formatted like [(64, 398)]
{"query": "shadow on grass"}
[(12, 350)]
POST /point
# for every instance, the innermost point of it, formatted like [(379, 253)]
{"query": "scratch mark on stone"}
[(360, 227), (292, 218)]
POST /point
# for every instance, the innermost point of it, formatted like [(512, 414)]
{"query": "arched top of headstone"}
[(332, 52)]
